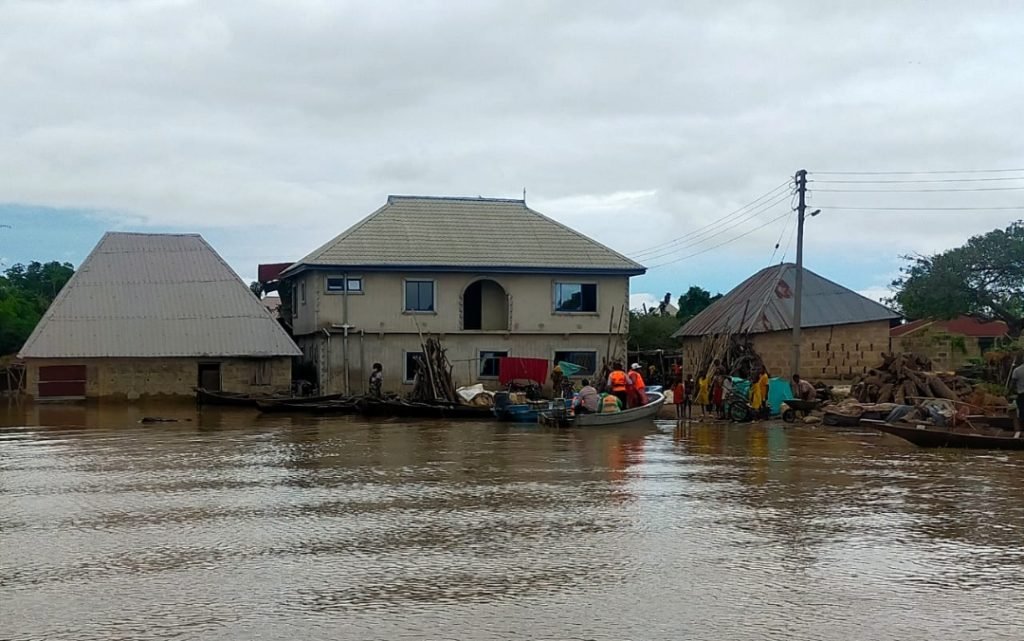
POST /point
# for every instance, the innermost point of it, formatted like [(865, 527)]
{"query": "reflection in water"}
[(230, 525)]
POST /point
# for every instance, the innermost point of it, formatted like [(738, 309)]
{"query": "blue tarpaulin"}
[(569, 369), (778, 391)]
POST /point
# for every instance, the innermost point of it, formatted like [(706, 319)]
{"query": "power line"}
[(731, 240), (785, 226), (913, 173), (923, 208), (919, 191), (926, 180), (660, 246), (669, 251)]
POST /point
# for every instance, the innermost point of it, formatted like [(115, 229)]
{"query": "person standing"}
[(1017, 386), (556, 381), (679, 397), (703, 395), (716, 395), (759, 395), (376, 380), (618, 383), (637, 388), (691, 395)]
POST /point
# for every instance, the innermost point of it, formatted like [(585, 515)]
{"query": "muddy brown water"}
[(233, 526)]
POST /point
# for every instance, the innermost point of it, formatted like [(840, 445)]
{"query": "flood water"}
[(233, 526)]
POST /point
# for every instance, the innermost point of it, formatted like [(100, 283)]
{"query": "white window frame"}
[(597, 361), (346, 280), (433, 288), (480, 365), (597, 297), (406, 353)]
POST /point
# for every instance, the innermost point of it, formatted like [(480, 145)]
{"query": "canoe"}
[(964, 437), (238, 399), (339, 405), (413, 409), (647, 412)]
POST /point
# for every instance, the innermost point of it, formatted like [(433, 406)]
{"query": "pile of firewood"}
[(901, 378), (433, 381)]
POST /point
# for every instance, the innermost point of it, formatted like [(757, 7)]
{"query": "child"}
[(679, 398)]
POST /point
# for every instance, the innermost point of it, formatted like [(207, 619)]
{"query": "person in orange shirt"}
[(637, 389), (618, 383)]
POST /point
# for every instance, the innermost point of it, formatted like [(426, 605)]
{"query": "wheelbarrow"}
[(793, 405)]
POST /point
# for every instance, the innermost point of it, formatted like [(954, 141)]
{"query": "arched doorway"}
[(485, 306)]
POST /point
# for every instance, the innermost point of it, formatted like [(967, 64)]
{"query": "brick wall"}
[(833, 352), (946, 351), (132, 378)]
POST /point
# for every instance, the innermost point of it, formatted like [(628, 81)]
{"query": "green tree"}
[(984, 277), (652, 331), (25, 293), (693, 302)]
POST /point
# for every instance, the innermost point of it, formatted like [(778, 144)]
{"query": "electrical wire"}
[(912, 173), (785, 226), (923, 180), (750, 216), (922, 208), (731, 240), (660, 246), (919, 191)]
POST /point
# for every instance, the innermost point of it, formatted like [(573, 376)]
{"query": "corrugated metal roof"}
[(764, 303), (151, 295), (424, 232)]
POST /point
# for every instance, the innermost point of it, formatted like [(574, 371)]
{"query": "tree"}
[(984, 277), (652, 331), (256, 287), (693, 302), (26, 291)]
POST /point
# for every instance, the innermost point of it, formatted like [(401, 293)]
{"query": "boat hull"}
[(642, 414), (923, 436)]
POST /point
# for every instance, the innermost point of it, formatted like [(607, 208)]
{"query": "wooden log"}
[(885, 393), (940, 389)]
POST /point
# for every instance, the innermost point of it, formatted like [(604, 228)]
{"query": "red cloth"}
[(510, 369)]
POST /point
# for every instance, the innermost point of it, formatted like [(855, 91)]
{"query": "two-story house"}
[(490, 277)]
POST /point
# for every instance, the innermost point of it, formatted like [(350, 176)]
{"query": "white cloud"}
[(877, 293), (637, 301), (633, 123)]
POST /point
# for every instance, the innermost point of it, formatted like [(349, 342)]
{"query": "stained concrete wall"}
[(946, 351), (834, 352), (463, 351), (132, 378)]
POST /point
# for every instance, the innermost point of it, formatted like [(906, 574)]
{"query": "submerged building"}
[(155, 315), (842, 332), (489, 277)]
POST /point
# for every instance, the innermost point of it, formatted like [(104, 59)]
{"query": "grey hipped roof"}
[(156, 295), (764, 303), (421, 232)]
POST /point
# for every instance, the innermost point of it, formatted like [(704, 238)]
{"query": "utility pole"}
[(801, 208)]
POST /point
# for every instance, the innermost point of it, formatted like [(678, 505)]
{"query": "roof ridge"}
[(473, 199)]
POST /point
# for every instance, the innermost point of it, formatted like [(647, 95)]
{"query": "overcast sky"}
[(271, 126)]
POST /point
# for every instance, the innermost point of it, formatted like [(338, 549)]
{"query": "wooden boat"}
[(339, 405), (965, 437), (414, 409), (238, 399), (646, 412)]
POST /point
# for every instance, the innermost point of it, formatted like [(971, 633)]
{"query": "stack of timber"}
[(433, 382), (735, 352), (902, 378)]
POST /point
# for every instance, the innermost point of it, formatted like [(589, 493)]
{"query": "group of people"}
[(623, 390), (712, 391)]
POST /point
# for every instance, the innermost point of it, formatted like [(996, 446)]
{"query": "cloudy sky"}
[(271, 126)]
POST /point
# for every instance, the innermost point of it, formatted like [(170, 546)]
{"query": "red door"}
[(62, 381)]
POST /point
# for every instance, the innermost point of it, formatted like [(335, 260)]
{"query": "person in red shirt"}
[(679, 397)]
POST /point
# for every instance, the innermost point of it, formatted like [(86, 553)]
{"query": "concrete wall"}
[(132, 378), (947, 351), (463, 350), (833, 352), (380, 307)]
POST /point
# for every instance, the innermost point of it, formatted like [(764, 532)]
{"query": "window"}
[(419, 295), (261, 374), (585, 359), (411, 366), (489, 363), (576, 297), (338, 284), (302, 292)]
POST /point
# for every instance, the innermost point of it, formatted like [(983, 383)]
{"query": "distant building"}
[(155, 315), (490, 277), (273, 305), (948, 343), (842, 332)]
